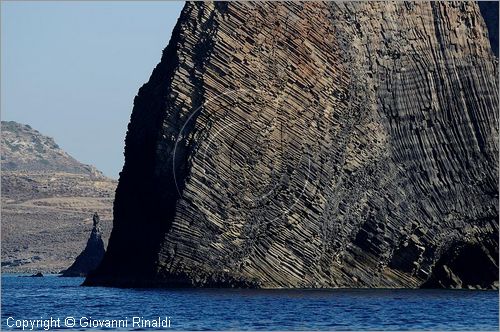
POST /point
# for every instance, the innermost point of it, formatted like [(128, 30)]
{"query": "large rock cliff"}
[(313, 144)]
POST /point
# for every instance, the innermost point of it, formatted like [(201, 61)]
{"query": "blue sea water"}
[(221, 309)]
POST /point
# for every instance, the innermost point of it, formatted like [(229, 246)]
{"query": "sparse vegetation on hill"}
[(48, 199)]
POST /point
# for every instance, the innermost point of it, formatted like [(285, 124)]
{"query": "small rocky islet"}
[(91, 256)]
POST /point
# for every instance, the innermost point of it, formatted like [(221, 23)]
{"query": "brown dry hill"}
[(48, 199)]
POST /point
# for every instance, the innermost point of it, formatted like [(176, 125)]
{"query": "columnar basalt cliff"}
[(313, 145)]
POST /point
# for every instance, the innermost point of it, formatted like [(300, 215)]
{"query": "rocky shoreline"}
[(48, 199)]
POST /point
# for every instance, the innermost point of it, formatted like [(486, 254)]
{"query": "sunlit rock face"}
[(313, 144)]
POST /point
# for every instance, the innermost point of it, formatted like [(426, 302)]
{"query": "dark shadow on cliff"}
[(466, 265), (141, 214), (146, 196)]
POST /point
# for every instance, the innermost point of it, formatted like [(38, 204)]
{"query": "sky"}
[(71, 69)]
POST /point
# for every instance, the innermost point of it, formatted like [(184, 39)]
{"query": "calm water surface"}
[(216, 309)]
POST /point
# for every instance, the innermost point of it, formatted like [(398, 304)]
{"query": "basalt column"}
[(315, 144)]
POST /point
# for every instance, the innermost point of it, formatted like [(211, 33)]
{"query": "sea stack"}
[(313, 144), (91, 256)]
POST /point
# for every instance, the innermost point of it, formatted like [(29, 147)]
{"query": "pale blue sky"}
[(72, 69)]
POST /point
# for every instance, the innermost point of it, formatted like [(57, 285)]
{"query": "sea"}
[(52, 303)]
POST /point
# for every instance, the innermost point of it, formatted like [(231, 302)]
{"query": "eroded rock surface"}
[(315, 144), (91, 256)]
